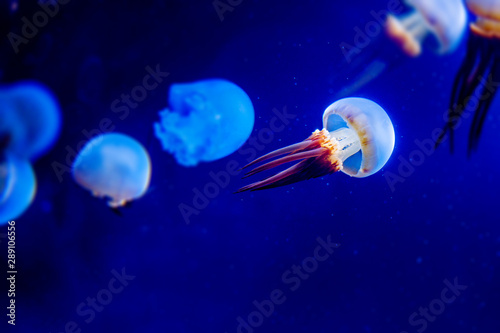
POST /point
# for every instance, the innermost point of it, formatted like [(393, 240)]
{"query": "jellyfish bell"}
[(357, 138), (113, 166), (438, 25), (367, 123), (478, 78), (443, 20), (30, 116), (206, 120), (17, 187)]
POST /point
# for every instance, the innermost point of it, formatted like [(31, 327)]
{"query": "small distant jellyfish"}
[(357, 138), (30, 117), (442, 20), (476, 82), (206, 120), (113, 166), (17, 187), (437, 25)]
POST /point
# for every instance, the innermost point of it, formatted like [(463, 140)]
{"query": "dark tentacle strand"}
[(480, 116), (479, 67), (286, 159), (315, 154), (310, 168), (304, 145), (461, 86)]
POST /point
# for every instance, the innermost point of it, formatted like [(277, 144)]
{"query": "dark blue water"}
[(418, 254)]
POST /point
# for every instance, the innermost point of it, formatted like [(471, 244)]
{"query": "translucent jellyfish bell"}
[(357, 138), (444, 20), (206, 120), (30, 117), (367, 122), (17, 187), (438, 25), (114, 166)]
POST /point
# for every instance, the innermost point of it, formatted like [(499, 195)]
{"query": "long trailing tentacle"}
[(273, 180), (459, 90), (289, 158), (316, 158), (490, 92), (282, 151), (304, 170)]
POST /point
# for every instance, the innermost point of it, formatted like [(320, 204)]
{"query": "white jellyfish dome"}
[(371, 130), (114, 166)]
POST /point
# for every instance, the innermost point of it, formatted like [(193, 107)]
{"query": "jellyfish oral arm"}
[(347, 142), (486, 27), (321, 154), (408, 32)]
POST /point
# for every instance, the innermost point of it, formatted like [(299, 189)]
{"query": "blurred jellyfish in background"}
[(205, 121), (30, 123), (30, 117), (477, 80), (113, 166), (17, 187), (441, 22), (437, 25), (357, 138)]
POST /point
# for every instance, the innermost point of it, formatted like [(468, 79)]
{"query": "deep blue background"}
[(396, 249)]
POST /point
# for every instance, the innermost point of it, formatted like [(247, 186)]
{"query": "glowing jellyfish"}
[(438, 25), (357, 138), (206, 120), (30, 117), (477, 80), (17, 187), (113, 166), (443, 22)]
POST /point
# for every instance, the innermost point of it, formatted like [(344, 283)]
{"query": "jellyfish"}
[(206, 120), (115, 167), (438, 25), (479, 75), (17, 187), (357, 138), (442, 22), (30, 118)]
